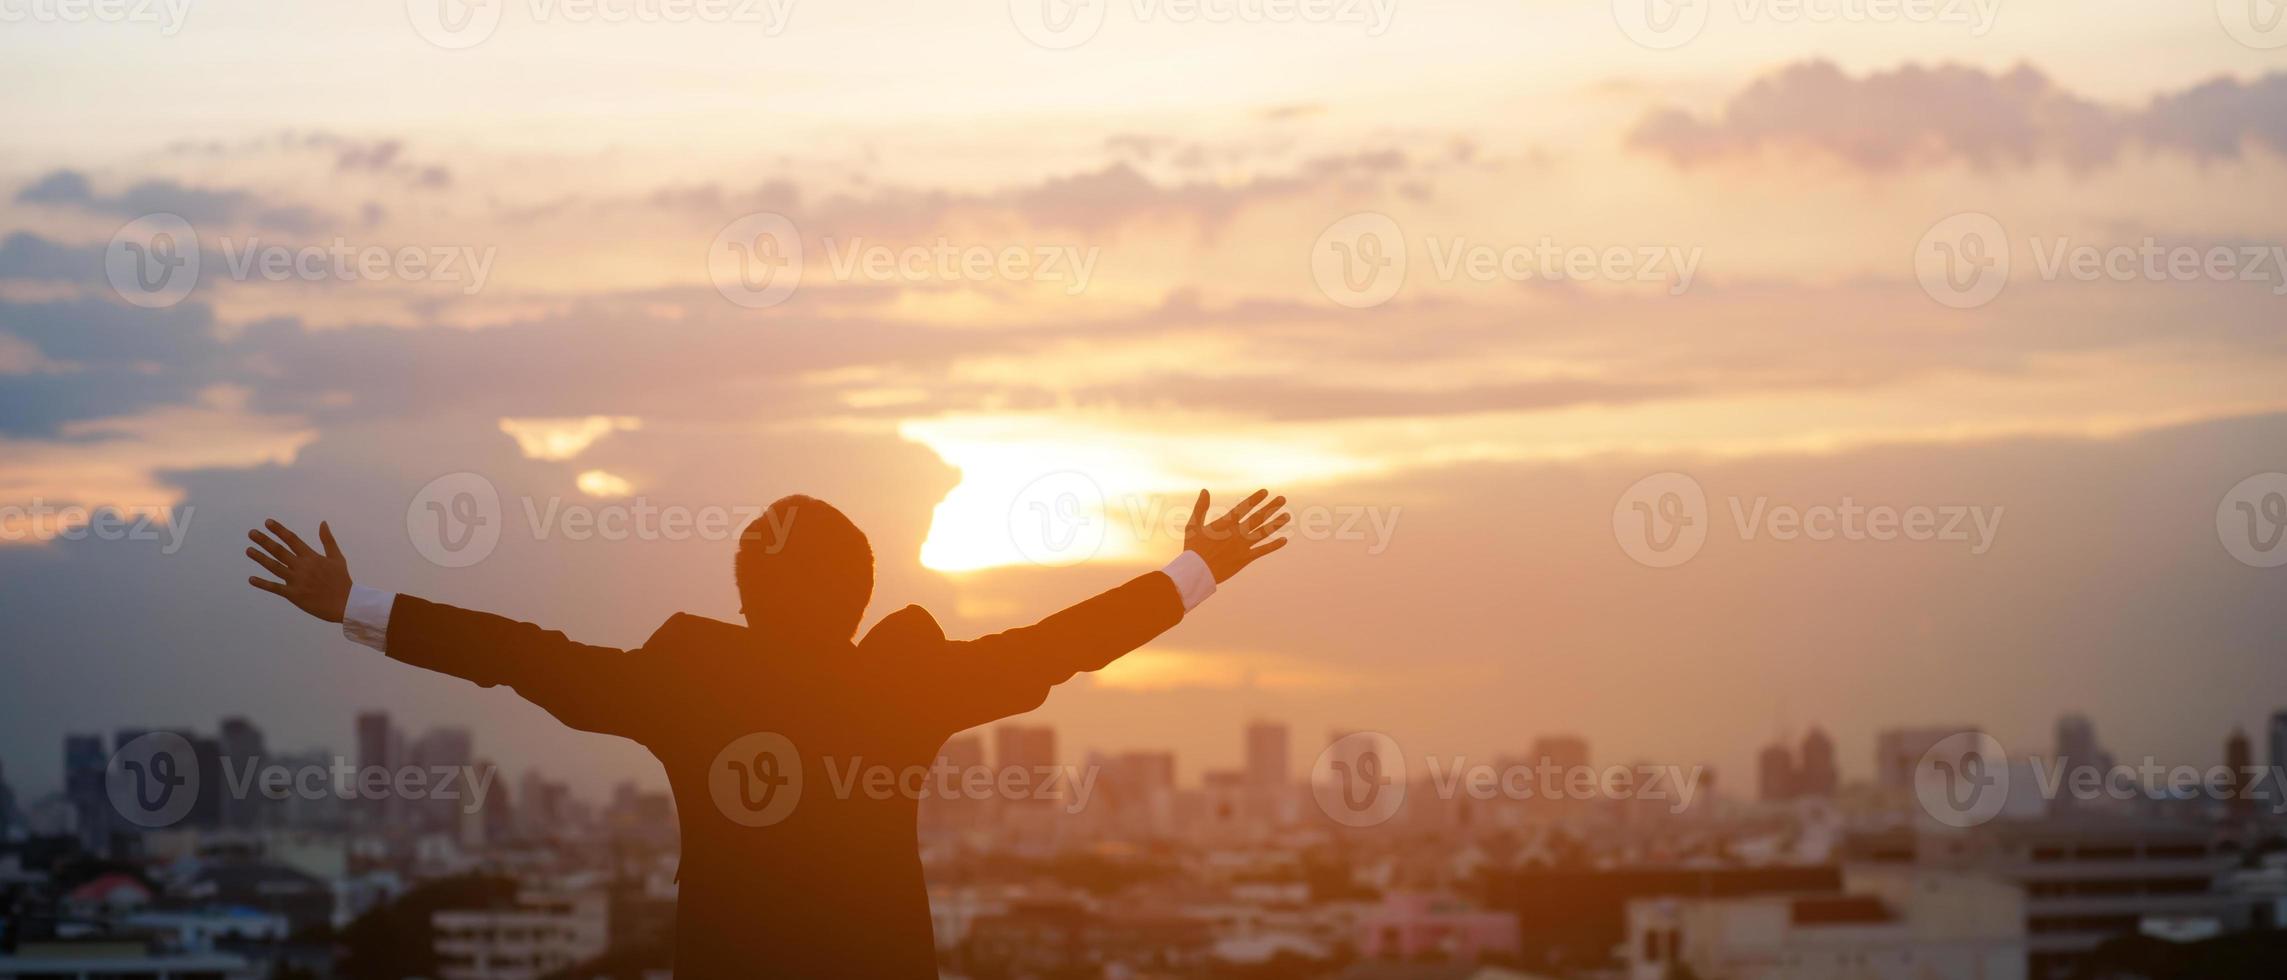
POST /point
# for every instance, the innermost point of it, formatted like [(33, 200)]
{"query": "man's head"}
[(804, 569)]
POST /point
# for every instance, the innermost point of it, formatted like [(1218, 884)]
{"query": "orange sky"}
[(1133, 266)]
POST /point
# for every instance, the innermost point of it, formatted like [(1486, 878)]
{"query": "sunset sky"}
[(1467, 437)]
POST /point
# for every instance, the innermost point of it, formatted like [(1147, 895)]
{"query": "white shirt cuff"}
[(366, 618), (1192, 579)]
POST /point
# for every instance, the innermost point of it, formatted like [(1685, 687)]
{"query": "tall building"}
[(8, 818), (2278, 739), (1775, 778), (1139, 790), (1024, 746), (1897, 751), (445, 748), (1563, 754), (2077, 745), (1268, 755), (243, 752), (2239, 757), (1817, 775), (84, 762), (376, 748)]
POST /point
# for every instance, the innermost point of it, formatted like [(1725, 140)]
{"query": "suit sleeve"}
[(1008, 673), (591, 688)]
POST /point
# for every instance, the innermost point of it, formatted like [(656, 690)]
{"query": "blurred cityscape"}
[(319, 864)]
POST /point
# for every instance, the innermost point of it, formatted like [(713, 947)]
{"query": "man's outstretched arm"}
[(1010, 673), (591, 688)]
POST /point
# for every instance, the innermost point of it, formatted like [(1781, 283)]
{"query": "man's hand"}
[(317, 583), (1234, 540)]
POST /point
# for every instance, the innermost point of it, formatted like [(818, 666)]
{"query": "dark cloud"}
[(197, 205), (24, 255), (1916, 116)]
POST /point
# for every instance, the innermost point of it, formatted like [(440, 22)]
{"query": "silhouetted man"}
[(782, 874)]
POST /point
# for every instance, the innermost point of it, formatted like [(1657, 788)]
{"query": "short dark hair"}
[(805, 567)]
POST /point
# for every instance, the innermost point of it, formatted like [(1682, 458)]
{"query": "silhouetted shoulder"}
[(684, 632), (905, 629)]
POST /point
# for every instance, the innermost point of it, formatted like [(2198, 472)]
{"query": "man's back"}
[(795, 862), (787, 860)]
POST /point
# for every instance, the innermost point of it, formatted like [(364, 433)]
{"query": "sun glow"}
[(1053, 490)]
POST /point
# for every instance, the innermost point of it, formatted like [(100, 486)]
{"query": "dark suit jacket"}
[(834, 889)]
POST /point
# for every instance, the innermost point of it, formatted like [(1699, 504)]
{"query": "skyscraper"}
[(84, 763), (2077, 746), (242, 751), (1024, 746), (1817, 776), (1775, 777), (448, 748), (2239, 757), (1267, 754), (376, 748), (1898, 751), (8, 818), (2278, 739)]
